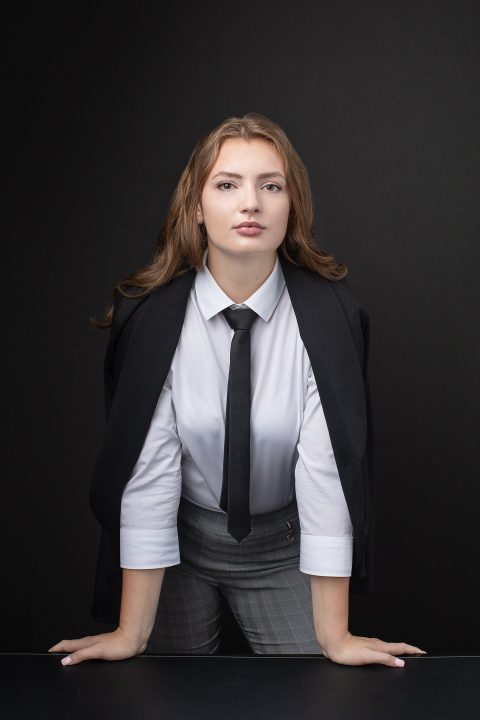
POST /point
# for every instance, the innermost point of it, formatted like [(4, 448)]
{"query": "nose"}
[(249, 199)]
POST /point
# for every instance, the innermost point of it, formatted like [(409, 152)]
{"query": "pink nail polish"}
[(399, 662), (66, 660)]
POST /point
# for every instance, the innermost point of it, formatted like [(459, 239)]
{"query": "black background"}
[(105, 103)]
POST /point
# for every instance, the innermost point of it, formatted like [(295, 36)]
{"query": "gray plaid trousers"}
[(259, 579)]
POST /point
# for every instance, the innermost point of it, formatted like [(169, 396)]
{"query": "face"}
[(246, 184)]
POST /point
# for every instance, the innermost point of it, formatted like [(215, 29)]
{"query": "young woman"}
[(237, 459)]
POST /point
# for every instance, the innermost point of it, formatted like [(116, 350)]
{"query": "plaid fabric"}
[(259, 579)]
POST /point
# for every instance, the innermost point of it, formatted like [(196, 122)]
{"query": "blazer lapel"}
[(146, 351), (326, 335)]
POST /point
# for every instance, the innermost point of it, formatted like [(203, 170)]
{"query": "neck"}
[(239, 275)]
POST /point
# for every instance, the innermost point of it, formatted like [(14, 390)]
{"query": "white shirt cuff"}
[(148, 548), (324, 555)]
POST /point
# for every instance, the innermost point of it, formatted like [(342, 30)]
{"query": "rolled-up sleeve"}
[(150, 500), (326, 532)]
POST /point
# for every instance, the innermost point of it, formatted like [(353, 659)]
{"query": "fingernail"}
[(66, 660), (399, 662), (424, 652)]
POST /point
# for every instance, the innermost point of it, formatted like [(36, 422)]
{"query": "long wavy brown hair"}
[(181, 241)]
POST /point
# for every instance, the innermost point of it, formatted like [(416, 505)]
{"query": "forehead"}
[(238, 153)]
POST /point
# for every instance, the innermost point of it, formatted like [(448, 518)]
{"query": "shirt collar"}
[(212, 300)]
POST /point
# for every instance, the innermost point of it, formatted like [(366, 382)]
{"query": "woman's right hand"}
[(107, 646)]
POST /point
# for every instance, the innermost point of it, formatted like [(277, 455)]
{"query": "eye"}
[(224, 183), (274, 185)]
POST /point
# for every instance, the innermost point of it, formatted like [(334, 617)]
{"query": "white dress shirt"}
[(290, 451)]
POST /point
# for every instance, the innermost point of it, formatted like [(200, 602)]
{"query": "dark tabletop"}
[(247, 687)]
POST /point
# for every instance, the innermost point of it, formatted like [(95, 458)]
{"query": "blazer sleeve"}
[(105, 606), (359, 323)]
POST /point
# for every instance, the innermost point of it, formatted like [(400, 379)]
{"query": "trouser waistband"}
[(257, 519)]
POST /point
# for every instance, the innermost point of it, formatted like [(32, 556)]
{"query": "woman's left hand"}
[(357, 650)]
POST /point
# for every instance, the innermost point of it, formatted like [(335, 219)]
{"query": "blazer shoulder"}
[(126, 309), (123, 309), (350, 303), (344, 292), (357, 316)]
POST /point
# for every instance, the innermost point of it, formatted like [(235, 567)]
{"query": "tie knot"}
[(241, 319)]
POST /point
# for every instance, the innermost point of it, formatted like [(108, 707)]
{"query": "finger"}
[(395, 648), (72, 645), (383, 658), (58, 647), (94, 652)]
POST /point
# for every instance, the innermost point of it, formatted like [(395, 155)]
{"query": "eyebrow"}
[(236, 175)]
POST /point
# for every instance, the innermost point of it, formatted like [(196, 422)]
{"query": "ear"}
[(199, 214)]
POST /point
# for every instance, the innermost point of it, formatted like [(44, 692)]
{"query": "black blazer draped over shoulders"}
[(143, 337)]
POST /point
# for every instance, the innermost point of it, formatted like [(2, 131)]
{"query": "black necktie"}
[(236, 459)]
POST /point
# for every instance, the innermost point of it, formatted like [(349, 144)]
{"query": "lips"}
[(249, 224)]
